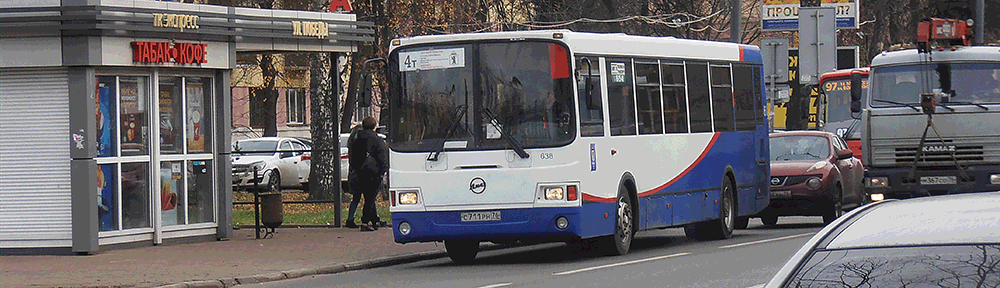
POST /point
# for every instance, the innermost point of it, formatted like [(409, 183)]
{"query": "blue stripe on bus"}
[(521, 224), (752, 54)]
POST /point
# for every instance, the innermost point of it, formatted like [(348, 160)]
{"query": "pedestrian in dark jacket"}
[(355, 195), (369, 160)]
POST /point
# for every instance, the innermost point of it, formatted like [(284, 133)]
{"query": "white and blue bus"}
[(565, 136)]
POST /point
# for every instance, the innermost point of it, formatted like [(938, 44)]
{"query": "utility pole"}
[(980, 24), (736, 16)]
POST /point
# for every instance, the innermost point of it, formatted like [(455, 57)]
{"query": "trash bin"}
[(272, 213)]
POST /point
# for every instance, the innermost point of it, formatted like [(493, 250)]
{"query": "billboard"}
[(781, 15)]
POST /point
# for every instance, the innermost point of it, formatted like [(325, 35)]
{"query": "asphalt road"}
[(660, 258)]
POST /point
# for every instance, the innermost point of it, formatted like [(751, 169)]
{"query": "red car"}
[(813, 173)]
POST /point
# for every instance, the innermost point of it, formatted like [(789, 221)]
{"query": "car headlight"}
[(408, 198), (259, 166), (554, 193), (813, 183), (877, 182), (818, 165), (995, 179)]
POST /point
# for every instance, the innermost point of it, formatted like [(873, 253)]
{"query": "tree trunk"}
[(324, 176), (270, 96)]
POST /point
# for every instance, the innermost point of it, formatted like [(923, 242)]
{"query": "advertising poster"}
[(169, 132), (133, 129), (106, 202), (195, 116), (105, 114), (781, 15), (170, 182)]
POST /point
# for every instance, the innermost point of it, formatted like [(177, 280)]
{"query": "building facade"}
[(115, 115)]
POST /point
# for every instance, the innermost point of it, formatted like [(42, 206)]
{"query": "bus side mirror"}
[(855, 92), (365, 91)]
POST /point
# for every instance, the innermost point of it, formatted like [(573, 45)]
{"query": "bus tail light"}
[(571, 193)]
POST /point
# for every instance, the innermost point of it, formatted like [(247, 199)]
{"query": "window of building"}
[(296, 105)]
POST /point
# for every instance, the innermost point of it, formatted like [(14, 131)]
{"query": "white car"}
[(280, 162)]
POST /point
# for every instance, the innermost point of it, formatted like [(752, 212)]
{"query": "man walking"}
[(369, 160)]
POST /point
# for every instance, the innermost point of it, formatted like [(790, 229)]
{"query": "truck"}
[(930, 124)]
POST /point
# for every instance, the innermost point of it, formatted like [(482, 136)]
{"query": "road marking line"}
[(757, 286), (496, 285), (620, 264), (766, 240)]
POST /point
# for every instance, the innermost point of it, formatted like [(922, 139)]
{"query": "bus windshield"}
[(479, 96), (977, 83)]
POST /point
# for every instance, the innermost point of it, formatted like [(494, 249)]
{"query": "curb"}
[(338, 268)]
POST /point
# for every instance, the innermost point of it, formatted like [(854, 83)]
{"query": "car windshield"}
[(791, 148), (472, 94), (935, 266), (255, 147), (972, 82)]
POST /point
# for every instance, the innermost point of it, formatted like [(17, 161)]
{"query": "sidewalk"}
[(292, 253)]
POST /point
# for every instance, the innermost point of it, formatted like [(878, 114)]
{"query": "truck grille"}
[(968, 151)]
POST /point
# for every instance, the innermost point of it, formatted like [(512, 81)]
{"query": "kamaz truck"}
[(931, 122)]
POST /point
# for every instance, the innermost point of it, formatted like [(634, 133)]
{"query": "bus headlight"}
[(408, 198), (554, 193), (877, 182)]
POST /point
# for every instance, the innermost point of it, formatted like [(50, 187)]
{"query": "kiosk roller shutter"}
[(35, 206)]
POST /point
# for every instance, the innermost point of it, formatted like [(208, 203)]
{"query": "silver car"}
[(940, 241), (281, 162)]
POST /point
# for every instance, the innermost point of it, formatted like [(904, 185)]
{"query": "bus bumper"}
[(529, 224), (927, 182)]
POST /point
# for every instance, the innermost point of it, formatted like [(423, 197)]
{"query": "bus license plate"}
[(938, 180), (781, 194), (481, 216)]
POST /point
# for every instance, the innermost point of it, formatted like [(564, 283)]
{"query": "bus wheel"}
[(721, 228), (742, 222), (462, 251), (622, 239)]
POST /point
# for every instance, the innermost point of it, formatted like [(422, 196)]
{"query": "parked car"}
[(813, 173), (281, 162), (938, 241)]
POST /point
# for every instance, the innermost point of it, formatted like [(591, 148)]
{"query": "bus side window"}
[(743, 90), (722, 98), (647, 97), (697, 87), (675, 110), (591, 112), (621, 99)]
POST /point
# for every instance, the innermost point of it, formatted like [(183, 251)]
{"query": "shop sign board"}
[(314, 29), (783, 15), (179, 21), (166, 52)]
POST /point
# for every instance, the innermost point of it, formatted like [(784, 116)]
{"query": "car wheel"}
[(721, 228), (769, 220), (274, 182), (462, 251), (621, 241), (836, 208)]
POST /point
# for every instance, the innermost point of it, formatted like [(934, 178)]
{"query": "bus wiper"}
[(898, 103), (451, 130), (503, 134), (969, 103)]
